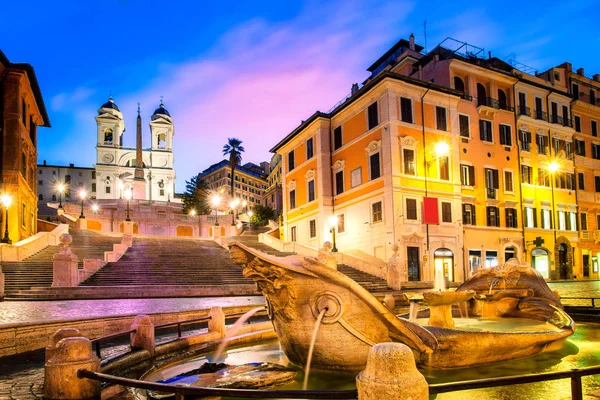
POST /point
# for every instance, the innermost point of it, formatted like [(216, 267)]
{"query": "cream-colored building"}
[(250, 181)]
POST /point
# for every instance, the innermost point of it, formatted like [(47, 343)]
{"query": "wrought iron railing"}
[(542, 115), (522, 110)]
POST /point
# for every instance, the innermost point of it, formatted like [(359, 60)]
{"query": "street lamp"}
[(215, 201), (250, 213), (61, 189), (245, 204), (121, 187), (128, 197), (232, 205), (95, 208), (441, 149), (193, 212), (6, 200), (82, 195), (333, 221)]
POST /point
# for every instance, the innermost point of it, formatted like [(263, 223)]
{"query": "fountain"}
[(304, 295)]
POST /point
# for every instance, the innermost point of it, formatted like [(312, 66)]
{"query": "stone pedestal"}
[(58, 336), (65, 272), (396, 273), (60, 375), (325, 256), (139, 189), (217, 321), (391, 374), (143, 338), (216, 232), (81, 223)]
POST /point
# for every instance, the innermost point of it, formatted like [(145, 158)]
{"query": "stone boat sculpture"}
[(297, 289)]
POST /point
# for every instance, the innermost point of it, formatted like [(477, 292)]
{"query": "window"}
[(93, 174), (481, 95), (597, 185), (459, 84), (562, 222), (543, 177), (491, 258), (539, 109), (502, 103), (577, 123), (32, 130), (310, 152), (530, 217), (312, 228), (485, 130), (583, 219), (107, 189), (505, 135), (467, 175), (440, 118), (511, 217), (508, 181), (373, 115), (596, 151), (444, 168), (468, 214), (546, 219), (374, 164), (40, 183), (339, 182), (53, 197), (409, 161), (491, 178), (24, 166), (40, 197), (446, 212), (24, 212), (592, 97), (376, 212), (94, 187), (572, 222), (311, 191), (293, 233), (292, 199), (493, 216), (341, 223), (108, 136), (594, 128), (24, 117), (463, 123), (337, 138), (291, 164), (411, 209), (579, 147), (406, 110), (581, 179), (526, 174), (474, 260), (525, 140)]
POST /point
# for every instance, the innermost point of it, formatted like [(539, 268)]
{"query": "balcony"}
[(467, 97), (488, 102), (522, 110), (590, 235), (557, 119), (541, 115)]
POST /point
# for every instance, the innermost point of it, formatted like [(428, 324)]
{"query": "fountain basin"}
[(440, 305)]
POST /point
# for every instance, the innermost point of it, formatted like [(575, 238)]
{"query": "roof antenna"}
[(425, 33)]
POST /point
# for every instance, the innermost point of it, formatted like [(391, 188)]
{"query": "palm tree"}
[(235, 149)]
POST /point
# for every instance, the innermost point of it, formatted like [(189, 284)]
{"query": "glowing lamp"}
[(333, 220), (442, 149), (553, 167), (6, 200), (216, 200), (82, 194), (128, 194)]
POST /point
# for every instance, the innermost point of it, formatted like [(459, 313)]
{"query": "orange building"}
[(22, 110)]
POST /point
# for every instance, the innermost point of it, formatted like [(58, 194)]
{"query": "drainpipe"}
[(524, 243), (425, 158)]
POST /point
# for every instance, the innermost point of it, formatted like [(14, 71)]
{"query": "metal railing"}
[(542, 115), (491, 193), (592, 300), (96, 343), (557, 119), (522, 110)]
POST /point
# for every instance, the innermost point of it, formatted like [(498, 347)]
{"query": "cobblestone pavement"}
[(38, 311)]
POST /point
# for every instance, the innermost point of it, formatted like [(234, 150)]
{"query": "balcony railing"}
[(541, 115), (525, 146), (491, 193), (488, 101), (465, 96), (542, 149), (522, 110), (557, 119)]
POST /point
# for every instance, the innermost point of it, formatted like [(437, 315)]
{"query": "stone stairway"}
[(36, 270)]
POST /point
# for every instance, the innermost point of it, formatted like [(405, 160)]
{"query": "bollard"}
[(143, 337), (217, 321), (391, 374), (58, 336), (389, 301), (65, 272), (60, 374), (325, 256)]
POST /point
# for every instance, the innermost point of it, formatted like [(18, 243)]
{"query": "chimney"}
[(580, 72), (597, 77), (44, 162), (411, 41), (354, 88)]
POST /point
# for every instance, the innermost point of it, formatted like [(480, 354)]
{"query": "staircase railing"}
[(28, 247)]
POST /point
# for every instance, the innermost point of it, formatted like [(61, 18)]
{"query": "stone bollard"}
[(60, 374), (217, 321), (65, 272), (395, 274), (325, 257), (58, 336), (143, 338), (389, 301), (391, 374)]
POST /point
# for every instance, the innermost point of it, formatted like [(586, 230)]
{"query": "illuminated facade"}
[(22, 110), (250, 181), (471, 171)]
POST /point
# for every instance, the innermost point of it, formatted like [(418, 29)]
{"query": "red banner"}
[(431, 213)]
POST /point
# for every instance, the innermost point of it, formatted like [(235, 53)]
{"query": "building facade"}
[(489, 163), (116, 165), (22, 110), (272, 196)]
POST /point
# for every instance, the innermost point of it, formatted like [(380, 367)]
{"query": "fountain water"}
[(233, 330), (312, 347)]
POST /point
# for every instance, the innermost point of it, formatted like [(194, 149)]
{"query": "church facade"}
[(116, 172)]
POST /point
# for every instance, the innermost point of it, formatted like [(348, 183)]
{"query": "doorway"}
[(586, 265), (540, 261), (510, 252), (414, 269), (562, 261), (444, 263)]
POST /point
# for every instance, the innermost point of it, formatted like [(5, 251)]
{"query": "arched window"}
[(40, 197), (481, 95), (502, 99), (459, 84), (162, 141), (108, 136), (53, 197)]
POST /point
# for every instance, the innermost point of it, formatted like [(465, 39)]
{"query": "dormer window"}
[(108, 136)]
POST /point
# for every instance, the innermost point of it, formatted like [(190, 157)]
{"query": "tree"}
[(261, 215), (196, 196), (234, 149)]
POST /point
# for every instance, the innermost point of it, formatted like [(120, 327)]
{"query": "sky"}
[(250, 69)]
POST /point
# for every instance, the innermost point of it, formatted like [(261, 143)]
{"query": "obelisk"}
[(139, 182)]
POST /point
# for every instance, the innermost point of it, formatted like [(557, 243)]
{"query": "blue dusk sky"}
[(250, 69)]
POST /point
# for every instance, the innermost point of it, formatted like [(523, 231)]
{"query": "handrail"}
[(200, 392), (593, 299), (96, 342)]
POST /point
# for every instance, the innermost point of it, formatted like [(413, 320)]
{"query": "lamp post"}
[(333, 220), (128, 197), (215, 201), (553, 168), (82, 195), (61, 189), (121, 187), (6, 201), (232, 206), (95, 208), (245, 205)]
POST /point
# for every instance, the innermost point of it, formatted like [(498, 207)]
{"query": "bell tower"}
[(110, 125)]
